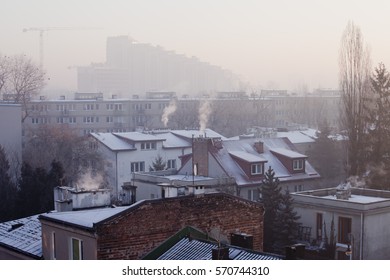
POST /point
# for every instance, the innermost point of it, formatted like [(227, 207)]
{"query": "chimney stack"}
[(200, 155), (259, 147), (220, 253)]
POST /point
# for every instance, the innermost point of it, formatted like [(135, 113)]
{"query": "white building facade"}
[(361, 219)]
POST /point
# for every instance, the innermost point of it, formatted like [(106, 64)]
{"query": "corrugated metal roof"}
[(193, 249), (22, 235)]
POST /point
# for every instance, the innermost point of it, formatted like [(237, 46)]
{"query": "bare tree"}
[(354, 66), (4, 72), (51, 143), (21, 79)]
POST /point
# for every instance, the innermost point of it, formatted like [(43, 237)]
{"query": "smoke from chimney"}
[(89, 181), (204, 114), (168, 111)]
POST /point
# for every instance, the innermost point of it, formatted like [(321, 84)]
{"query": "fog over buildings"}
[(281, 44), (134, 68), (153, 107)]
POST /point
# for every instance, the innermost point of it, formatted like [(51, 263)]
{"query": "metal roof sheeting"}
[(23, 235), (192, 249)]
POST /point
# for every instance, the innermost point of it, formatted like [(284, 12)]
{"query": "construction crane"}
[(42, 30)]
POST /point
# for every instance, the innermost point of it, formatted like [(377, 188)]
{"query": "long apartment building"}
[(229, 113)]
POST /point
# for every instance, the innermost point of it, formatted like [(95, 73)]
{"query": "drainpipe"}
[(361, 235), (116, 175)]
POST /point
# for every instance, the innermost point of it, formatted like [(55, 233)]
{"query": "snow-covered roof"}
[(232, 168), (197, 133), (359, 198), (22, 235), (173, 141), (138, 136), (85, 218), (113, 142), (288, 153), (248, 157), (299, 136)]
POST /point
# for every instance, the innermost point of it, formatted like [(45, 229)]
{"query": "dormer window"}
[(148, 146), (251, 164), (298, 164), (257, 168), (292, 160)]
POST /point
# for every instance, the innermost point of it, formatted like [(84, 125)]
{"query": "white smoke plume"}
[(89, 181), (168, 111), (204, 114)]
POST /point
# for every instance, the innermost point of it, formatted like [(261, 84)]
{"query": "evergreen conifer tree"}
[(7, 189), (271, 199), (286, 224), (158, 164)]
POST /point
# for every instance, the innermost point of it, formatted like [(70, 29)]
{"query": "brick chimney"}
[(259, 147), (200, 155)]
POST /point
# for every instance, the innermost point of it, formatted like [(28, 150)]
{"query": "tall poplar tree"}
[(354, 78)]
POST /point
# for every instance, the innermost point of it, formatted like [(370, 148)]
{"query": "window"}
[(118, 107), (171, 163), (138, 166), (253, 195), (72, 119), (319, 223), (88, 119), (53, 246), (345, 227), (88, 107), (297, 164), (298, 188), (256, 169), (77, 249), (148, 146), (109, 119)]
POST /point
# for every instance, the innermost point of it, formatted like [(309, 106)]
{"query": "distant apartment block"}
[(132, 67), (231, 113)]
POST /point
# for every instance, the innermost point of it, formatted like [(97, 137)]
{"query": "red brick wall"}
[(136, 232)]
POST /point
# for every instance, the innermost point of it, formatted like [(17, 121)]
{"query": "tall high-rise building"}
[(135, 68)]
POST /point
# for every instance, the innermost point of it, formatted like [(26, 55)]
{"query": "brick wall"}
[(137, 231)]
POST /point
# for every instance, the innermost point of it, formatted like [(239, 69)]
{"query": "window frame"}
[(344, 229), (80, 251), (298, 164), (256, 169)]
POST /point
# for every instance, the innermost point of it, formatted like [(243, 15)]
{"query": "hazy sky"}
[(280, 44)]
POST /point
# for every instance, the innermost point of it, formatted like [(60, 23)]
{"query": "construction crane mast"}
[(42, 30)]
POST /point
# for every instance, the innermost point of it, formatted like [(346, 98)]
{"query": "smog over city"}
[(195, 130)]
